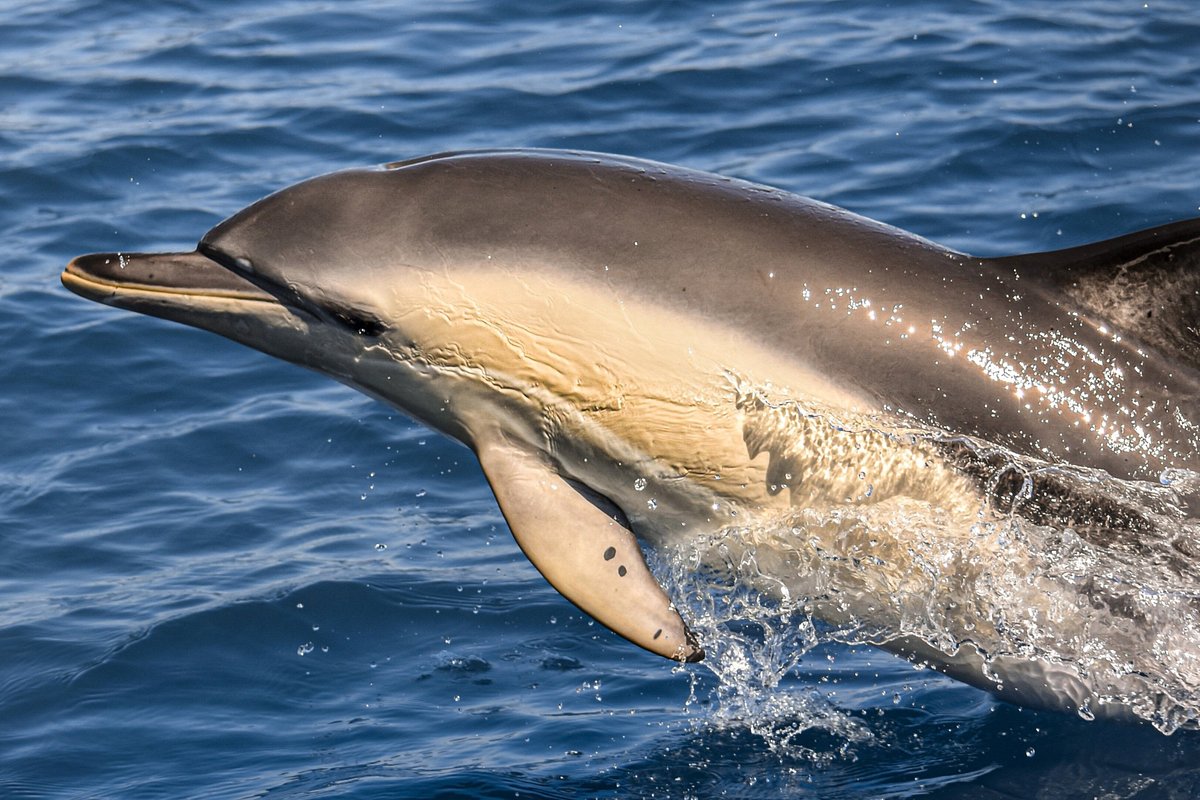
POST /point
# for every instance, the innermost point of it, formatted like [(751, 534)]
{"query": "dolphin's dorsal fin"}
[(589, 556), (1145, 284)]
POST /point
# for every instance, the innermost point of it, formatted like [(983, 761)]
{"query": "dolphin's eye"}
[(358, 321), (229, 262)]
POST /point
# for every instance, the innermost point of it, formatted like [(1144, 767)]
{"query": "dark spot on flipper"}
[(621, 570), (658, 633), (610, 554)]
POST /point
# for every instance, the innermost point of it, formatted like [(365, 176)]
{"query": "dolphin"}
[(643, 353)]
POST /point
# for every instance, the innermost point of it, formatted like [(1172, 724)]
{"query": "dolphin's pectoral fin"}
[(589, 556)]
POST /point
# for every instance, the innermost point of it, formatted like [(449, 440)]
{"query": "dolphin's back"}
[(1145, 284)]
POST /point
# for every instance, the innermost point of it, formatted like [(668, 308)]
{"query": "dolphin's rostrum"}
[(639, 351)]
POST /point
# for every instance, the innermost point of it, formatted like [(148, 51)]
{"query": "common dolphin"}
[(637, 351)]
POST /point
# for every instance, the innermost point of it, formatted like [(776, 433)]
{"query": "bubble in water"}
[(755, 638)]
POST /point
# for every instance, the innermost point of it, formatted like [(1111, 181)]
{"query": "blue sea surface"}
[(222, 576)]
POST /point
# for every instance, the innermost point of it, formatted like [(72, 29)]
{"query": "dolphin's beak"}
[(118, 279)]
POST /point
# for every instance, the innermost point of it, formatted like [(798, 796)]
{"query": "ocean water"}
[(224, 577)]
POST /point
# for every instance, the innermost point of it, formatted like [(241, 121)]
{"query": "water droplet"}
[(421, 493), (1030, 753), (639, 484), (380, 546), (651, 504), (305, 649)]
